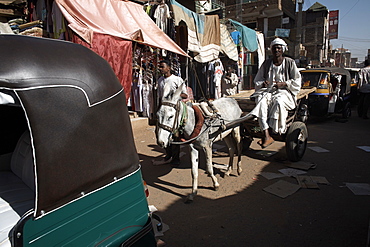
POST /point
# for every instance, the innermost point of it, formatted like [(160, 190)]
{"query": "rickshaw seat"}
[(17, 194), (22, 161)]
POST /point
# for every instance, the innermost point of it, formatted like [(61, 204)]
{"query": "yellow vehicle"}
[(333, 90)]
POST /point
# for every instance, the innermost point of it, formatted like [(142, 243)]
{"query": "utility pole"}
[(299, 28)]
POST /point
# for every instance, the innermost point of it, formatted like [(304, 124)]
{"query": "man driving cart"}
[(277, 84)]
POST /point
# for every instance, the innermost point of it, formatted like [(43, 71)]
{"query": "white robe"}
[(273, 104)]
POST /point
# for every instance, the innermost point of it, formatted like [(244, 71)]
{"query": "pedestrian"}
[(277, 84), (230, 82), (364, 90), (167, 84)]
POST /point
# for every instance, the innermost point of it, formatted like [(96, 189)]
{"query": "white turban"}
[(281, 42)]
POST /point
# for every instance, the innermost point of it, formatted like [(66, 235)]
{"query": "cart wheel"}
[(296, 141), (346, 112)]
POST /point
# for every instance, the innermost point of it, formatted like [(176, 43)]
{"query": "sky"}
[(354, 24)]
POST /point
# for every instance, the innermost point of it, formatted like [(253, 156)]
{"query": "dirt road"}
[(241, 213)]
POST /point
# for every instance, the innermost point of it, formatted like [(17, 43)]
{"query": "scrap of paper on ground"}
[(319, 149), (282, 188), (359, 189)]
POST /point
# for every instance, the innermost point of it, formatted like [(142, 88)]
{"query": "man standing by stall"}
[(277, 84), (170, 83)]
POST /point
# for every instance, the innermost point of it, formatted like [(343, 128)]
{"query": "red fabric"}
[(117, 52)]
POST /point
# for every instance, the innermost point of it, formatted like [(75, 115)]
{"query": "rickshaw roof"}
[(30, 62), (77, 117), (333, 70), (336, 70)]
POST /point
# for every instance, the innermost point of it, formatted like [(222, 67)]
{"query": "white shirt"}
[(170, 84)]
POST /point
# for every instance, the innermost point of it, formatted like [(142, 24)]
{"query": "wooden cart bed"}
[(246, 104)]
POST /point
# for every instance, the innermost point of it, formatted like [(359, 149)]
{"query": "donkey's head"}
[(168, 116)]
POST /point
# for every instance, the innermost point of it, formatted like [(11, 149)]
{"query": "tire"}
[(296, 141), (346, 112)]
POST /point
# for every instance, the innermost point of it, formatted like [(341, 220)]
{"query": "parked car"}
[(333, 90), (69, 170)]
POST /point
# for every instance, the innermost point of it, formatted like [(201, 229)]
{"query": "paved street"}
[(240, 213)]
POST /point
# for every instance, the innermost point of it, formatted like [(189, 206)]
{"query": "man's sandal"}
[(267, 143)]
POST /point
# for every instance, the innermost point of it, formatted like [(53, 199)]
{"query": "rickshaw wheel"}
[(296, 141), (346, 113)]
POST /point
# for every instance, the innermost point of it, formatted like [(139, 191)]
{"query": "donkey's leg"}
[(208, 153), (194, 172), (239, 146), (231, 147)]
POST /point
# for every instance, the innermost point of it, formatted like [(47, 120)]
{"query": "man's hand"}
[(183, 95), (280, 84), (266, 84)]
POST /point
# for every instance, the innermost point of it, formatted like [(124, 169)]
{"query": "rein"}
[(196, 134), (174, 130)]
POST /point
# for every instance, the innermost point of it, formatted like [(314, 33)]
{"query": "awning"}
[(122, 19), (228, 46)]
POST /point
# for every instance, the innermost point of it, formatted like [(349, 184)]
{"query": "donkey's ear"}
[(167, 93), (177, 93)]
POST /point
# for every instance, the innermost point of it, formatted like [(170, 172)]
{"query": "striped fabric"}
[(228, 47), (203, 32)]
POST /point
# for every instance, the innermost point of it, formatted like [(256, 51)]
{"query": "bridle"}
[(174, 129)]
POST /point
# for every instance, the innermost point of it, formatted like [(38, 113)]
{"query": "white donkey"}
[(170, 120)]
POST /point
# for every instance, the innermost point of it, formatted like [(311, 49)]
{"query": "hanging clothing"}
[(272, 106), (147, 100), (203, 32), (136, 92), (41, 10), (261, 49), (236, 37), (248, 36), (58, 22), (161, 15), (218, 73), (210, 39)]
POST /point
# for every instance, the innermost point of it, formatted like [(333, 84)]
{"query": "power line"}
[(349, 10), (353, 39)]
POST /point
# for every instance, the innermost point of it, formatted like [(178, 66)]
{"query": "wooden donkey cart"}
[(296, 135)]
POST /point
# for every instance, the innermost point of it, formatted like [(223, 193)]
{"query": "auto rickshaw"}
[(69, 170), (333, 91)]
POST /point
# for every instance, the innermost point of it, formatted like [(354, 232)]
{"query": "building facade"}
[(271, 17), (315, 35)]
